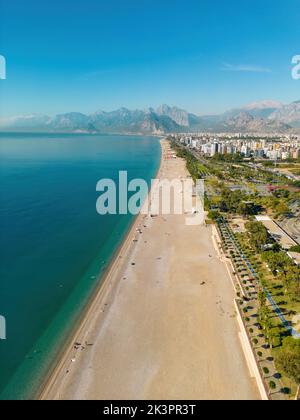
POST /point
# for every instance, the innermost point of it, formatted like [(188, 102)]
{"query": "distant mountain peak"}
[(180, 116), (245, 121), (266, 104), (260, 109), (99, 112), (288, 114)]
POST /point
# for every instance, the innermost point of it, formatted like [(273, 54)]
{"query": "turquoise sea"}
[(54, 245)]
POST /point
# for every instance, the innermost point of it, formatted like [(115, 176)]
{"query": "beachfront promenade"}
[(165, 327)]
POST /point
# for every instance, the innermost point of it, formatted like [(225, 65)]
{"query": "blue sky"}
[(205, 56)]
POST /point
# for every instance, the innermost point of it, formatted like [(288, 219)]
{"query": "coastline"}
[(163, 327), (103, 290)]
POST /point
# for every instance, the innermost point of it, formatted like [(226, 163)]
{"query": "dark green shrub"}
[(272, 385)]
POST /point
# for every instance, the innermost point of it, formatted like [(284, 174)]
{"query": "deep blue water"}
[(52, 241)]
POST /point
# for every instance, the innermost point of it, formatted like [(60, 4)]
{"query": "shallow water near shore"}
[(53, 244)]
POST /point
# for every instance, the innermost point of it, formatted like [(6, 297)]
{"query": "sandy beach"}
[(163, 325)]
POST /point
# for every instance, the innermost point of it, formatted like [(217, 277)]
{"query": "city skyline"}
[(105, 56)]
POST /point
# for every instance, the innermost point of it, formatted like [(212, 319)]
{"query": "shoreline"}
[(101, 292), (163, 326)]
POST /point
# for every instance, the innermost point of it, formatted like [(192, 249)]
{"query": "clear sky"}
[(205, 56)]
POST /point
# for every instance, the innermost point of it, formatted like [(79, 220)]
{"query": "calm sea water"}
[(53, 243)]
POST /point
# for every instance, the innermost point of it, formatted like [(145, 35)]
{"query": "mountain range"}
[(265, 116)]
